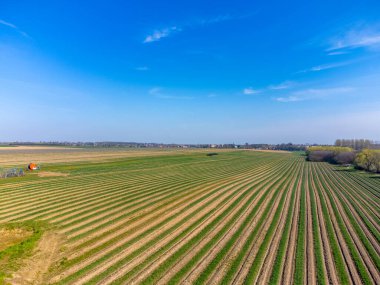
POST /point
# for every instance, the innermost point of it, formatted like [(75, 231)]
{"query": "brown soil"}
[(270, 150), (156, 246), (191, 277), (251, 254), (11, 156), (205, 260), (116, 228), (34, 269), (330, 277), (29, 147), (9, 237), (141, 219), (51, 174), (349, 262), (239, 278), (162, 258), (146, 239), (311, 276), (266, 269), (290, 254), (368, 234), (220, 196), (360, 247)]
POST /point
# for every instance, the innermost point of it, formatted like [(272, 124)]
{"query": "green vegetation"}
[(318, 250), (335, 149), (300, 250), (279, 261), (332, 154), (239, 216), (12, 256), (343, 275), (368, 160)]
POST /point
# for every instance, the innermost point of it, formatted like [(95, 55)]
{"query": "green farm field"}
[(182, 217)]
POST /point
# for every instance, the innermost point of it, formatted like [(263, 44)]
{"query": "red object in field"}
[(32, 166)]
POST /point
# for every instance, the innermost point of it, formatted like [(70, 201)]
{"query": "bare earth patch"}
[(11, 156), (34, 269), (9, 237), (270, 150), (51, 174), (42, 147)]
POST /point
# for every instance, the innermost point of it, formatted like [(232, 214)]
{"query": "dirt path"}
[(51, 174), (270, 150), (34, 269)]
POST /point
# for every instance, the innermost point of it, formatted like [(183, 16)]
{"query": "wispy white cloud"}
[(359, 37), (12, 26), (282, 85), (288, 99), (159, 34), (162, 96), (214, 20), (142, 68), (338, 52), (329, 66), (275, 87), (2, 22), (326, 66), (168, 31), (250, 91), (309, 94), (157, 92)]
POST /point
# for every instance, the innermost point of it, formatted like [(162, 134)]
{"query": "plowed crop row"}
[(240, 217)]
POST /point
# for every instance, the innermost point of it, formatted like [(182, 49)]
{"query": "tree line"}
[(366, 159), (356, 144)]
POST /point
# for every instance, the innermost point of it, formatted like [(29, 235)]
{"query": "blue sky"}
[(190, 71)]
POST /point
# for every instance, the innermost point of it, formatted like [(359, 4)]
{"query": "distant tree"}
[(321, 155), (377, 161), (347, 157), (357, 144), (332, 154), (338, 142), (369, 160)]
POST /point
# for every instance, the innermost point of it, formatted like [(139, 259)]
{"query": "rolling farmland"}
[(172, 217)]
